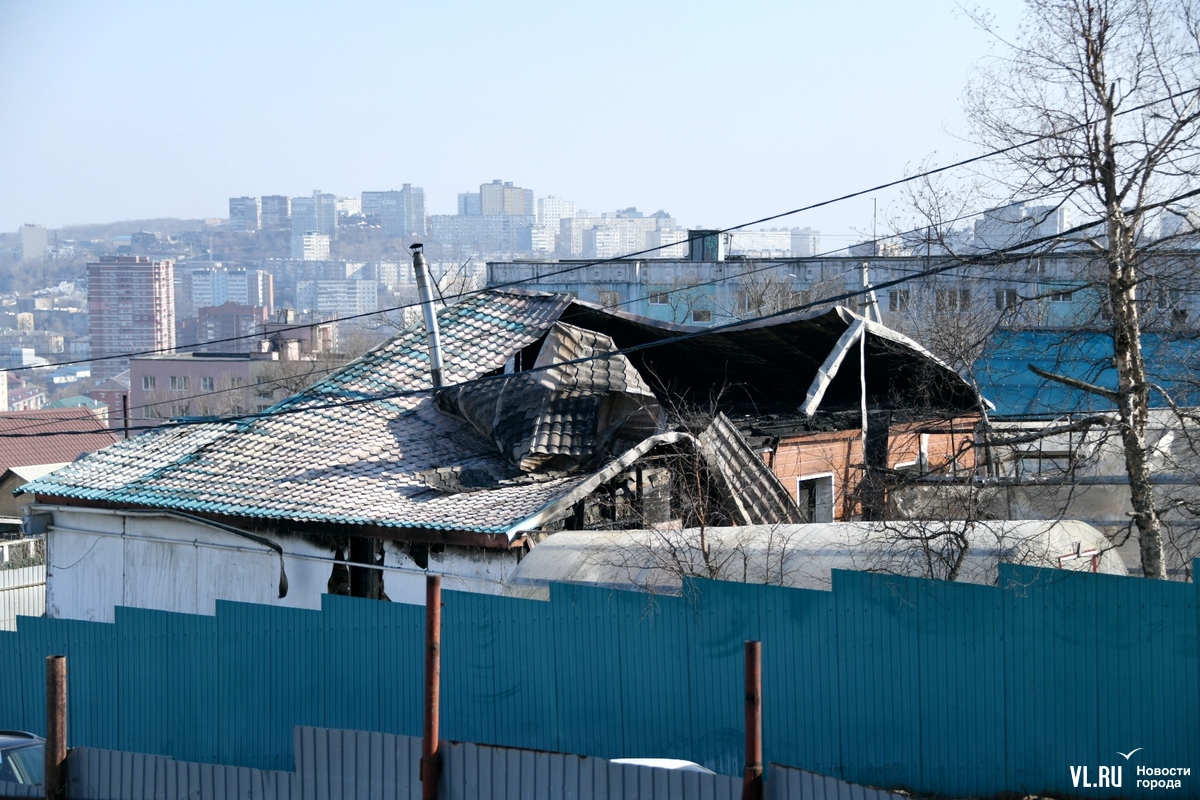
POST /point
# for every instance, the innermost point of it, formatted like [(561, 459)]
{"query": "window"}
[(898, 300), (1005, 299), (207, 384), (701, 315), (610, 299), (814, 495), (953, 299), (659, 299), (1060, 297), (179, 383), (147, 382)]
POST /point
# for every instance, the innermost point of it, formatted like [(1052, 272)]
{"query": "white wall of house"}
[(98, 559)]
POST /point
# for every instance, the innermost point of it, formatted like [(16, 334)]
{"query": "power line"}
[(296, 408), (768, 265), (811, 207)]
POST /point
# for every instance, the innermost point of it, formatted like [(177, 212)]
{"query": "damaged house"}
[(552, 415)]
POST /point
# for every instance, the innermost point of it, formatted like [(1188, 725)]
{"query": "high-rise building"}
[(316, 214), (401, 213), (344, 298), (230, 327), (1017, 223), (217, 286), (468, 204), (34, 242), (499, 198), (310, 246), (276, 210), (806, 242), (131, 309), (245, 213), (551, 209)]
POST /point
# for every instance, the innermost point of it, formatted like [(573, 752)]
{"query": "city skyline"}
[(721, 118)]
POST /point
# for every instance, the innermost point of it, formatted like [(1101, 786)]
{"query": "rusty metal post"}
[(752, 780), (431, 765), (56, 728)]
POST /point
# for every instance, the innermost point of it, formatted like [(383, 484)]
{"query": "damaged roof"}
[(374, 444)]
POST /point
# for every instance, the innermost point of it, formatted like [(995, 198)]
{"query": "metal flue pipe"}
[(431, 326)]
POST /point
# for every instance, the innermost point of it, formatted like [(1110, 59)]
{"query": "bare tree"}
[(1095, 103)]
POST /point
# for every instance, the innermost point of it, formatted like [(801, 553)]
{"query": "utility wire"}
[(766, 265), (298, 404), (812, 206)]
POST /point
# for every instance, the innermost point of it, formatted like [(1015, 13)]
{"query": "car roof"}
[(11, 738)]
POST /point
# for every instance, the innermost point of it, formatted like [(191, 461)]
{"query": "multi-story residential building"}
[(230, 327), (806, 242), (344, 298), (543, 239), (131, 308), (276, 211), (252, 287), (1055, 291), (245, 213), (402, 213), (1019, 222), (468, 204), (610, 235), (201, 384), (316, 214), (210, 287), (502, 198), (348, 207), (552, 209), (34, 242), (310, 246), (667, 243), (480, 234), (307, 333), (216, 286)]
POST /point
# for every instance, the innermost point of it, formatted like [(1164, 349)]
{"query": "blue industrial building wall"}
[(940, 687)]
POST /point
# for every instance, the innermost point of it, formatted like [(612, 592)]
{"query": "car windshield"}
[(23, 763)]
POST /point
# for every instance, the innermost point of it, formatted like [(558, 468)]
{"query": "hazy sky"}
[(718, 113)]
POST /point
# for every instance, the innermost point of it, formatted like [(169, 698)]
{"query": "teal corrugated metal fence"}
[(900, 682)]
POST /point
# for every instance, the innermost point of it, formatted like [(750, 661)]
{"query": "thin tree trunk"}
[(1133, 393)]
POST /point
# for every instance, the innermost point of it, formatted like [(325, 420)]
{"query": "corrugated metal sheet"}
[(22, 593), (798, 784), (94, 774), (475, 772), (348, 765), (8, 789), (933, 686), (358, 765)]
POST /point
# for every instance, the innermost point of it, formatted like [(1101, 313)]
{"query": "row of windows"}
[(180, 383), (960, 299)]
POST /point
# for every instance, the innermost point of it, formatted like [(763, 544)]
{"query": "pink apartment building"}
[(131, 309)]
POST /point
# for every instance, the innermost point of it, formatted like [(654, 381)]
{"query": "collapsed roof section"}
[(539, 410), (580, 400)]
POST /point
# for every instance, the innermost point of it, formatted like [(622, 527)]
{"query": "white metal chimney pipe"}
[(431, 326)]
